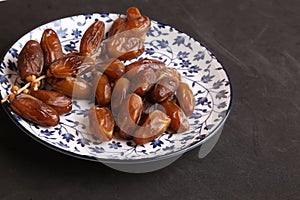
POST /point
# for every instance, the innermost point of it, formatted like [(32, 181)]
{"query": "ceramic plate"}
[(199, 68)]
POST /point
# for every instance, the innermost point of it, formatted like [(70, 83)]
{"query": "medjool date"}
[(103, 89), (71, 65), (179, 122), (60, 102), (72, 87), (185, 98), (92, 38), (155, 124), (34, 110), (51, 46), (30, 60), (101, 122), (129, 116)]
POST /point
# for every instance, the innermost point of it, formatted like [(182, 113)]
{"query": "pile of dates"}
[(138, 101)]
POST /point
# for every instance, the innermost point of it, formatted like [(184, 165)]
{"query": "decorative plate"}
[(199, 68)]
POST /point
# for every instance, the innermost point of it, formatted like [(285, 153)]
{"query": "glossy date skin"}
[(51, 46), (103, 89), (168, 80), (101, 122), (179, 122), (70, 65), (164, 88), (185, 98), (124, 47), (92, 38), (129, 116), (144, 81), (119, 93), (129, 44), (30, 60), (155, 124), (133, 21), (72, 87), (132, 69), (114, 70), (34, 110), (60, 102)]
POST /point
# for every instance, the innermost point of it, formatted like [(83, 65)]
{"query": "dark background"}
[(258, 154)]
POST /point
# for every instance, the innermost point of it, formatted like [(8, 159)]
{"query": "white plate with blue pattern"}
[(206, 76)]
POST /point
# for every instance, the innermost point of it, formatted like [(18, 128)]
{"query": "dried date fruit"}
[(179, 122), (130, 35), (119, 93), (103, 89), (133, 21), (101, 122), (51, 46), (60, 102), (129, 116), (155, 124), (185, 98), (143, 82), (30, 60), (114, 70), (117, 26), (72, 65), (72, 87), (168, 72), (132, 69), (124, 47), (164, 88), (133, 13), (92, 38), (168, 80), (34, 110)]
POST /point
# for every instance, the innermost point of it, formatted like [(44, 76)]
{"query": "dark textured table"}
[(258, 154)]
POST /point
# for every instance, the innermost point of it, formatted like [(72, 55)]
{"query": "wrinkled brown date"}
[(72, 87), (103, 89), (51, 46), (185, 98), (92, 38), (133, 13), (116, 27), (60, 102), (129, 116), (30, 60), (130, 44), (132, 69), (34, 110), (71, 65), (119, 93), (179, 122), (164, 88), (143, 82), (133, 21), (155, 124), (125, 48), (101, 122), (168, 72), (114, 70)]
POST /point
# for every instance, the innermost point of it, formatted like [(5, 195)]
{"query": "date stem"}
[(24, 88)]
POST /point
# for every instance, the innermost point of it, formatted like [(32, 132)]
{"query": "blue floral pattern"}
[(198, 66)]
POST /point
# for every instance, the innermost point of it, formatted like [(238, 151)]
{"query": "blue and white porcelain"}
[(199, 68)]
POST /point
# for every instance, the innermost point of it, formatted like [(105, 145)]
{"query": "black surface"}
[(258, 154)]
